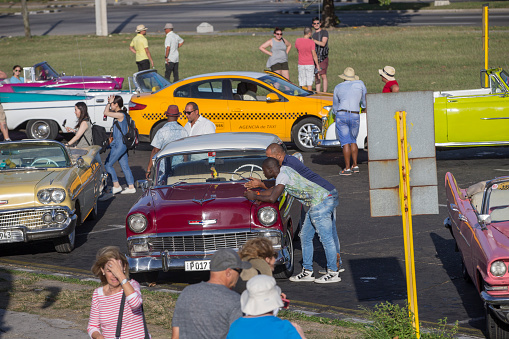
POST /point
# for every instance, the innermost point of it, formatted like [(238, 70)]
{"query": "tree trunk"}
[(328, 14), (374, 2), (26, 23)]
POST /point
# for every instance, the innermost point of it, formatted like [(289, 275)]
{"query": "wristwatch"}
[(123, 282)]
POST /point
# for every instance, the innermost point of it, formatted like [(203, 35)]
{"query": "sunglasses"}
[(17, 70), (188, 112), (278, 33), (316, 23)]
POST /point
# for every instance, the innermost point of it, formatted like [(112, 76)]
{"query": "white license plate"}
[(5, 235), (197, 265)]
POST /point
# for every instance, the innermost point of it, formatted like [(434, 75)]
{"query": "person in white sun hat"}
[(387, 75), (260, 303)]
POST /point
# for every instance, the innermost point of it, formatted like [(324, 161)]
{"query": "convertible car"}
[(479, 222), (43, 75), (46, 191), (195, 204), (463, 118), (238, 102)]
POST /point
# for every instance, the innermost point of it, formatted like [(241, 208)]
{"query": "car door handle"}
[(452, 100), (462, 218), (237, 110), (99, 100), (454, 207)]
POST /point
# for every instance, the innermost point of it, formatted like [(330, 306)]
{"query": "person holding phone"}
[(83, 129)]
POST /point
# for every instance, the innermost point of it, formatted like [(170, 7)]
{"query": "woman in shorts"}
[(278, 55)]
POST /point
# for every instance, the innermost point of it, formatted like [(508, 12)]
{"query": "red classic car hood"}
[(201, 207), (499, 241)]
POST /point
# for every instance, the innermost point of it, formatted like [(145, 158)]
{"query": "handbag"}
[(121, 315)]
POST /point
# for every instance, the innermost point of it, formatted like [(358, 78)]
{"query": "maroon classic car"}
[(195, 205), (479, 222)]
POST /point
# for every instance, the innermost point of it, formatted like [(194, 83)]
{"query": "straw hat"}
[(388, 73), (349, 74), (168, 26), (262, 295), (140, 28)]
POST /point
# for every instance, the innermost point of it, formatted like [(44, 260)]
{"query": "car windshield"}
[(498, 201), (505, 77), (45, 72), (22, 155), (285, 86), (148, 82), (211, 166)]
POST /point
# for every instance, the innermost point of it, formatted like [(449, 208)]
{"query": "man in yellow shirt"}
[(139, 46)]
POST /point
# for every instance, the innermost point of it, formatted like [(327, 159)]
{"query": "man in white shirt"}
[(196, 124), (171, 56)]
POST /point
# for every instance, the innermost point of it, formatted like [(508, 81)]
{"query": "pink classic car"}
[(195, 205), (43, 75), (479, 222)]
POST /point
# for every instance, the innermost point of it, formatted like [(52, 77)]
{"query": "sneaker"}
[(355, 169), (346, 171), (128, 191), (340, 269), (116, 190), (330, 277), (305, 275)]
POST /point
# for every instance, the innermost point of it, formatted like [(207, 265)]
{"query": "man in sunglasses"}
[(196, 124), (321, 39), (206, 310)]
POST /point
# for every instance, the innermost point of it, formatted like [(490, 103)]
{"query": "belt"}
[(344, 110)]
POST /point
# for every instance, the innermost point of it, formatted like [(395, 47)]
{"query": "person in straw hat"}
[(387, 74), (171, 131), (139, 46), (348, 102), (260, 303)]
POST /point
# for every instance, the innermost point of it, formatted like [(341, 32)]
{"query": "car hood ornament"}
[(202, 201)]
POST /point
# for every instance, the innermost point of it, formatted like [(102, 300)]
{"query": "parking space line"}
[(114, 228)]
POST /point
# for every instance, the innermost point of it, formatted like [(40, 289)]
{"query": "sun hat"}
[(140, 28), (168, 25), (349, 74), (172, 111), (262, 295), (388, 73), (227, 258)]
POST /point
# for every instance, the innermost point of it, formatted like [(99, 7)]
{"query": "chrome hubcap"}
[(40, 130), (306, 134)]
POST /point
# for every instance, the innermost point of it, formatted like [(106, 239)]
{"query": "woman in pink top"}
[(112, 268)]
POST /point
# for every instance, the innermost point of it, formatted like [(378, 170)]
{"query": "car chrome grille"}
[(200, 243), (30, 218)]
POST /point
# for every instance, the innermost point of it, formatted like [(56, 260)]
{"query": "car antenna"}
[(81, 67)]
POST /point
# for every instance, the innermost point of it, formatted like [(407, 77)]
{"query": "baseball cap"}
[(227, 258)]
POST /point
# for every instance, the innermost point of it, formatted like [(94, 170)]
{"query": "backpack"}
[(99, 137), (130, 139)]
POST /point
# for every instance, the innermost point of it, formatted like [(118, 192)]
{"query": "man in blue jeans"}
[(318, 195), (348, 97)]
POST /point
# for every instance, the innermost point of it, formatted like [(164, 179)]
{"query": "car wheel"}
[(156, 128), (285, 271), (146, 278), (495, 328), (42, 129), (302, 133)]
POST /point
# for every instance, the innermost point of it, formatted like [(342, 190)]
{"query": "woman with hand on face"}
[(112, 268), (278, 55), (116, 110), (83, 129)]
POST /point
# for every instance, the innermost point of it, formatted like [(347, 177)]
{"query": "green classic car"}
[(463, 118), (46, 191)]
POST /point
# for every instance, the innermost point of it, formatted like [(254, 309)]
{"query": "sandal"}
[(346, 171), (355, 169)]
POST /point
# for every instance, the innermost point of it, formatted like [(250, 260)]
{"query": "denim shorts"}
[(347, 127)]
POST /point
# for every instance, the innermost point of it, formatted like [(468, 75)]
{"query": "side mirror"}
[(80, 162), (143, 184), (272, 97), (484, 219)]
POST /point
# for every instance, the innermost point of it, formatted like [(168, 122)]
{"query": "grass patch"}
[(415, 6), (425, 58)]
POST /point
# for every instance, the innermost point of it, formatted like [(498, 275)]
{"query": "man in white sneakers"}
[(321, 203)]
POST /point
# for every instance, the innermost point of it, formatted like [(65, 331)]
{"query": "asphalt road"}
[(372, 248), (228, 15)]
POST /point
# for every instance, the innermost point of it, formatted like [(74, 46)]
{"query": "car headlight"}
[(56, 195), (498, 268), (137, 222), (267, 216)]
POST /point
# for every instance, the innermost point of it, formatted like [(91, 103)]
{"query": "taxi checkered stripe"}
[(234, 116)]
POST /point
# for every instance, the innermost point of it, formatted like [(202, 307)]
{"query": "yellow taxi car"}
[(236, 102)]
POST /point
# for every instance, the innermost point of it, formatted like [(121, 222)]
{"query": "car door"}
[(480, 118), (260, 115), (211, 96), (88, 177)]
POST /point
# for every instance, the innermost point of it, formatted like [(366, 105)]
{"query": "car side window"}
[(249, 90), (209, 89)]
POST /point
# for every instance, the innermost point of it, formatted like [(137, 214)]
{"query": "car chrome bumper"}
[(15, 222), (499, 306)]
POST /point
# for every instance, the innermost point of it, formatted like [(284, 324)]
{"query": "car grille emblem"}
[(203, 222), (4, 202)]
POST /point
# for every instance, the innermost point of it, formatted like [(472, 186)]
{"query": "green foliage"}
[(392, 321), (384, 2)]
